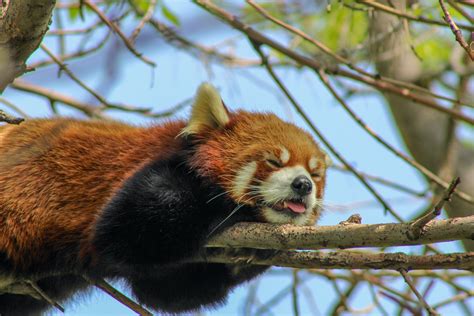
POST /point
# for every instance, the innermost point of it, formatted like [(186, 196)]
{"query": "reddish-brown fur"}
[(56, 175), (258, 133)]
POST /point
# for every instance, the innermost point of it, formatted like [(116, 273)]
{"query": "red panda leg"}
[(191, 286)]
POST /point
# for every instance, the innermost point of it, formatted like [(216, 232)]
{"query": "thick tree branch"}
[(23, 25), (343, 259), (284, 237)]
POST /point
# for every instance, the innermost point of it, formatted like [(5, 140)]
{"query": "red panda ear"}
[(208, 111), (327, 160)]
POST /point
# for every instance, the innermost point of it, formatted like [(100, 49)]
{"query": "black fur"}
[(157, 222)]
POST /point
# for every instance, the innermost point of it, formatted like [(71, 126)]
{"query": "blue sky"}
[(176, 78)]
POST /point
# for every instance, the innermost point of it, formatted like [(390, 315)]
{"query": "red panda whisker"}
[(249, 199), (216, 196), (238, 207)]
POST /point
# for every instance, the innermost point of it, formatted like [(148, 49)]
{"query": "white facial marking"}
[(277, 188), (243, 178), (284, 155), (313, 163)]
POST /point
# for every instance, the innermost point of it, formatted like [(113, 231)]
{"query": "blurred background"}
[(189, 45)]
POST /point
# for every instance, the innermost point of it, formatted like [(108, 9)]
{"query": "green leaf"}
[(142, 4), (169, 15), (73, 13)]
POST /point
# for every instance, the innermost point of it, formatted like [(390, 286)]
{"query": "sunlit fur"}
[(208, 111)]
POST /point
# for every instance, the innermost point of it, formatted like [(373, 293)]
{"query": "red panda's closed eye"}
[(274, 163)]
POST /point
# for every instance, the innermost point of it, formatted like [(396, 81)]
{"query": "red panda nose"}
[(302, 185)]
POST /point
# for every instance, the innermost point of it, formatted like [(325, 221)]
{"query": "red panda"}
[(115, 201)]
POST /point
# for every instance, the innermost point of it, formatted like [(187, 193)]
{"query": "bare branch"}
[(420, 297), (116, 294), (342, 59), (269, 236), (117, 30), (44, 296), (333, 69), (398, 153), (418, 225), (407, 16), (146, 18), (456, 31), (85, 108), (4, 117), (342, 259)]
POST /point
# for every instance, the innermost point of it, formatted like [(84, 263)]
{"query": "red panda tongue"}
[(296, 207)]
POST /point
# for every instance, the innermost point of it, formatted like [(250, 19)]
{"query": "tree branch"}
[(284, 237), (456, 31), (342, 259), (23, 25), (4, 117), (423, 130), (116, 294)]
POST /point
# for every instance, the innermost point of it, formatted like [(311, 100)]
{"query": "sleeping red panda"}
[(115, 201)]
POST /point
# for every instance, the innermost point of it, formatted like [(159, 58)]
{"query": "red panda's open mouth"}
[(297, 206)]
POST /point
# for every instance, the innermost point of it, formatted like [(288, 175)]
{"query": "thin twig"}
[(342, 305), (379, 6), (79, 53), (333, 69), (196, 49), (375, 299), (455, 298), (105, 103), (116, 294), (117, 30), (294, 293), (146, 18), (45, 296), (80, 31), (342, 59), (4, 117), (461, 10), (325, 80), (400, 302), (456, 31), (386, 182), (13, 107), (420, 297), (418, 225), (85, 108)]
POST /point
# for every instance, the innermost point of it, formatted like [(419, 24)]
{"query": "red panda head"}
[(258, 159)]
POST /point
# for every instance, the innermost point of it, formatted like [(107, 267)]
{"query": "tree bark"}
[(343, 259), (425, 132), (23, 24), (288, 237)]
